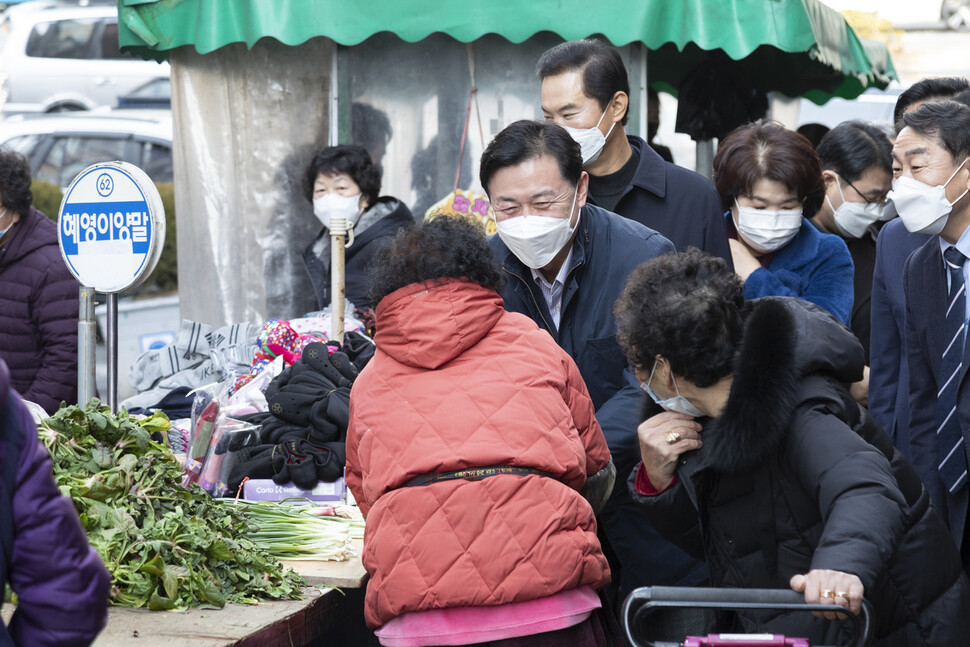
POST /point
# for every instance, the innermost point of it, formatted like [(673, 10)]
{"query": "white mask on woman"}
[(591, 140), (677, 403), (853, 219), (766, 230), (332, 205), (923, 208), (535, 240)]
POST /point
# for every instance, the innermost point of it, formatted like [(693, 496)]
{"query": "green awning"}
[(792, 46)]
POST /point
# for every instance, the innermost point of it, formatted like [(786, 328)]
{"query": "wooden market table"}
[(289, 623)]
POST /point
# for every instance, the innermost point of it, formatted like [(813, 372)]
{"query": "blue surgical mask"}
[(7, 228), (678, 403)]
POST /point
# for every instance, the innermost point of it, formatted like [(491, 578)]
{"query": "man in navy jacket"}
[(585, 89), (568, 263), (934, 150)]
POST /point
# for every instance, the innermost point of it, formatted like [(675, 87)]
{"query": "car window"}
[(61, 39), (107, 43), (157, 161), (71, 154), (24, 144)]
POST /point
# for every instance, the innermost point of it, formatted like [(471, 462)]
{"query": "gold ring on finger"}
[(672, 437), (844, 595), (827, 593)]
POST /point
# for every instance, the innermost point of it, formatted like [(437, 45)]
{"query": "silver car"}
[(56, 57), (60, 146)]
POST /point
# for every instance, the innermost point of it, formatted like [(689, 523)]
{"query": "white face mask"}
[(922, 207), (765, 230), (853, 219), (7, 228), (591, 140), (332, 205), (535, 240), (678, 403)]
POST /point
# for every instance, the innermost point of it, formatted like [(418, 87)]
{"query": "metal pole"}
[(112, 344), (334, 137), (86, 346), (644, 92), (338, 231), (705, 158)]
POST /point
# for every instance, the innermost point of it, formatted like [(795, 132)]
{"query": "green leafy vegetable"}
[(167, 547)]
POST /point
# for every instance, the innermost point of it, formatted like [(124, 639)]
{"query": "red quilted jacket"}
[(458, 382)]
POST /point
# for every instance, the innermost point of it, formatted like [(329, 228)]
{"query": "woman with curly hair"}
[(770, 181), (756, 459), (474, 452), (38, 295)]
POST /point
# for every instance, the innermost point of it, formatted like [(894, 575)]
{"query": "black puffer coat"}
[(794, 476)]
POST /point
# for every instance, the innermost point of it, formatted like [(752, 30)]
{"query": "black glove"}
[(293, 464), (317, 356), (276, 431), (254, 461), (295, 400), (305, 464), (359, 348), (338, 408), (322, 428)]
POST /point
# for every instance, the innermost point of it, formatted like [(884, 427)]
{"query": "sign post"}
[(111, 228)]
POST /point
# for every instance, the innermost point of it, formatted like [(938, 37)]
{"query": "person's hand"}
[(663, 438), (830, 587), (860, 389), (744, 261)]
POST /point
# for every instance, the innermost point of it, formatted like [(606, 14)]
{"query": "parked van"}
[(56, 57)]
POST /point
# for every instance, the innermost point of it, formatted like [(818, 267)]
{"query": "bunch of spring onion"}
[(304, 532)]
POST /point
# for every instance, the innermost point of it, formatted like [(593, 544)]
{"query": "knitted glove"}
[(293, 464)]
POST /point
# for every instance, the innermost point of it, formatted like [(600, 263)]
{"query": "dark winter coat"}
[(38, 313), (680, 204), (60, 581), (605, 250), (386, 217), (794, 476)]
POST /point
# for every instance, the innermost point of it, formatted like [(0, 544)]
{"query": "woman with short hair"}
[(756, 459), (344, 181), (769, 179), (474, 453)]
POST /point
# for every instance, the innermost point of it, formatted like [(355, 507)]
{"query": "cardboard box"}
[(267, 490)]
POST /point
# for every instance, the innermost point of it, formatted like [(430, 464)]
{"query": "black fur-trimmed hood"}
[(784, 340)]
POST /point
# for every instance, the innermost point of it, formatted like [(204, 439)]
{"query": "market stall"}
[(258, 87)]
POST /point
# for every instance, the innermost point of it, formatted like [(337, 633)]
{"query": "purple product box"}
[(267, 490)]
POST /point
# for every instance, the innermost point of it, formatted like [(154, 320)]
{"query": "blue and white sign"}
[(111, 226)]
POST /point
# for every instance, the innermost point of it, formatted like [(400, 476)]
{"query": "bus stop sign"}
[(111, 226)]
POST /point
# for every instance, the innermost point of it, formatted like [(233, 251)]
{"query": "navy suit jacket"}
[(926, 302), (888, 365)]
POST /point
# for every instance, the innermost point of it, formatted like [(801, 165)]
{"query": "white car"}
[(59, 146), (56, 57)]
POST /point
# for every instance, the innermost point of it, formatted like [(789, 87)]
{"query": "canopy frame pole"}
[(705, 157), (644, 93), (334, 135)]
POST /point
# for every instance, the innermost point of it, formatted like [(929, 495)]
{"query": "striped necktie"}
[(949, 442)]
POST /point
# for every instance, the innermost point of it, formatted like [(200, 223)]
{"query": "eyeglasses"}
[(863, 195)]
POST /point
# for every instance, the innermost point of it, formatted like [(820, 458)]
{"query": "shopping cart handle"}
[(717, 598)]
